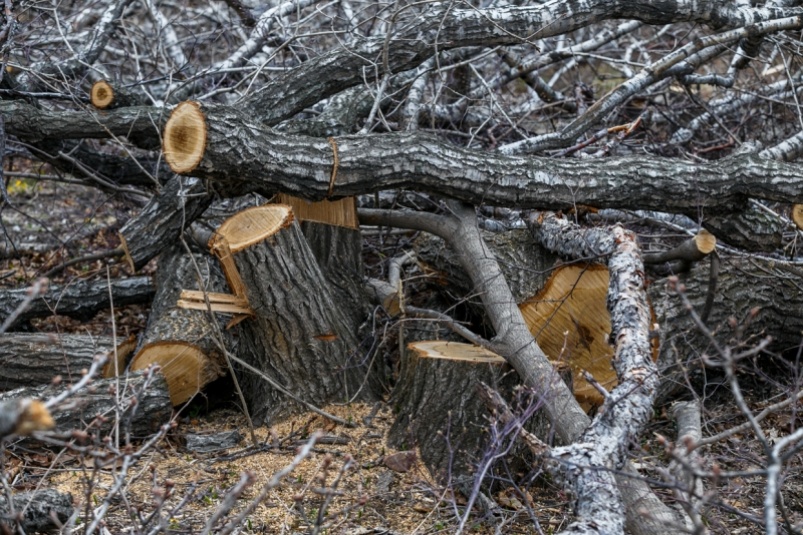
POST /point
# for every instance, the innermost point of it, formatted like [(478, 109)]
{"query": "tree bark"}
[(28, 360), (80, 299), (297, 336), (180, 202), (243, 156), (41, 510), (187, 344), (140, 412)]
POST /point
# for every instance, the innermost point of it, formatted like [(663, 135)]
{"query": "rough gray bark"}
[(80, 299), (35, 124), (338, 251), (746, 285), (187, 344), (36, 359), (243, 156), (38, 511), (628, 407), (180, 202), (298, 335), (414, 40), (141, 410)]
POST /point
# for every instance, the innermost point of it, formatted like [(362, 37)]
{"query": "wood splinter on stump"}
[(298, 336)]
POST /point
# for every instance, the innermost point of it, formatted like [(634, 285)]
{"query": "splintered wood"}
[(439, 349)]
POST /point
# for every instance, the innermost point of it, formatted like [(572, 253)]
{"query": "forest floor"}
[(351, 482)]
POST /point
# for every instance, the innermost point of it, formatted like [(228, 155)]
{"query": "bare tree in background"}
[(649, 125)]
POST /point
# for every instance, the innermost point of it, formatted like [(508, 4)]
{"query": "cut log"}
[(298, 337), (569, 319), (80, 299), (28, 359), (104, 95), (162, 221), (142, 410), (41, 510), (797, 215), (187, 344)]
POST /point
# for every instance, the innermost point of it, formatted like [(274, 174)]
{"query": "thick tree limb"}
[(243, 156)]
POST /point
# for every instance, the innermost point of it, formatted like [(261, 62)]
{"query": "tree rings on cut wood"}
[(181, 341), (104, 96), (569, 319), (185, 136), (101, 95), (186, 367)]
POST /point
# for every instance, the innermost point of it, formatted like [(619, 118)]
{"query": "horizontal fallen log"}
[(33, 359), (144, 404), (227, 146), (80, 299), (35, 512)]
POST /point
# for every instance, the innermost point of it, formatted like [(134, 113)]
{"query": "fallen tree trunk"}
[(298, 337), (199, 142), (80, 299), (28, 360), (187, 344), (138, 403), (180, 202), (36, 512)]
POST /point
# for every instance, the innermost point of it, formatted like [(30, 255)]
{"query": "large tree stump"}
[(187, 344), (298, 336), (28, 359)]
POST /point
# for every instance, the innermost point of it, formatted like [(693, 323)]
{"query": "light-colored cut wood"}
[(705, 241), (185, 134), (118, 357), (439, 349), (185, 367), (249, 227), (218, 302), (570, 321), (797, 215), (340, 213), (102, 94)]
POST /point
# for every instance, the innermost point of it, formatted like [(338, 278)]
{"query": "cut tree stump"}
[(141, 410), (29, 359), (437, 408), (299, 336), (187, 344)]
